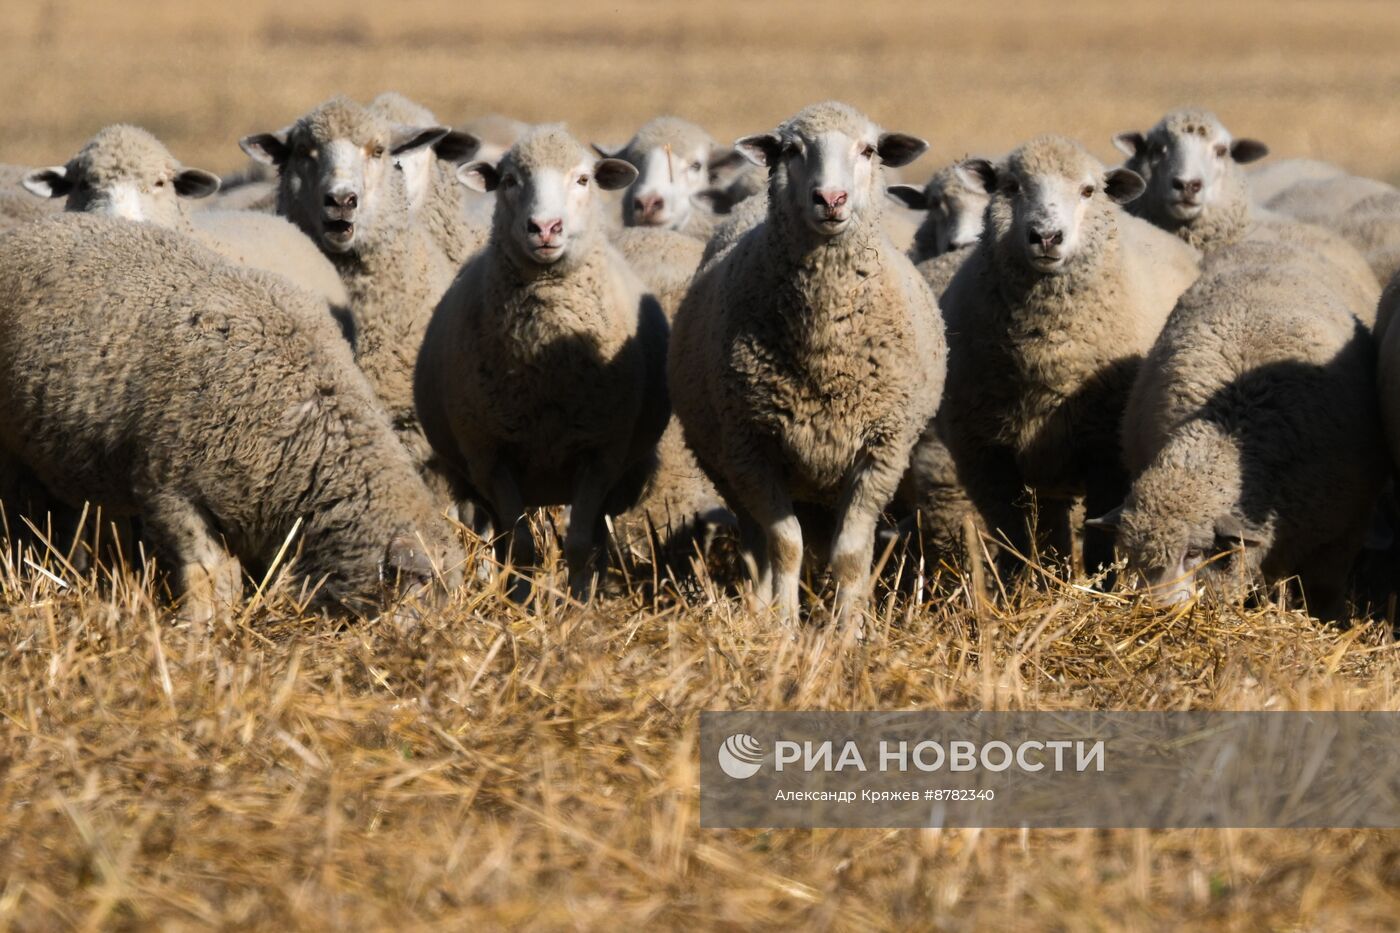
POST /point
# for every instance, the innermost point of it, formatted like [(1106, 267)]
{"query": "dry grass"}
[(494, 768), (489, 767)]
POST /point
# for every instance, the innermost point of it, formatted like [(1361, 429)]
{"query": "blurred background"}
[(1309, 78)]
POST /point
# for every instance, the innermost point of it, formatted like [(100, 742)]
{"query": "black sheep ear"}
[(406, 139), (1131, 144), (267, 148), (1123, 185), (614, 174), (456, 147), (479, 176), (1248, 150), (977, 174), (1108, 521), (898, 149), (196, 183), (51, 182), (910, 196), (761, 149)]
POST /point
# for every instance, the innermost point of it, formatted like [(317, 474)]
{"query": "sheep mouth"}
[(1185, 209), (1047, 262), (831, 224), (338, 233), (546, 252)]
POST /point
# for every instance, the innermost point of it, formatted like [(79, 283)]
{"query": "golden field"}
[(488, 767)]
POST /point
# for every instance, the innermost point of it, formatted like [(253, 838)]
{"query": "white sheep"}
[(338, 182), (675, 160), (1253, 424), (1047, 322), (808, 356), (541, 378), (145, 374), (1268, 179), (953, 213), (125, 172)]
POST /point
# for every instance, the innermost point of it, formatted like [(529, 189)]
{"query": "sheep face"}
[(824, 165), (417, 165), (1189, 159), (124, 172), (546, 194), (955, 211), (1046, 198), (337, 170), (674, 161)]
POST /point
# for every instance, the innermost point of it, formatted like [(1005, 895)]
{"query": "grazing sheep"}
[(1197, 190), (954, 213), (1253, 422), (143, 373), (337, 181), (126, 172), (809, 355), (674, 160), (1269, 179), (541, 377), (430, 178), (1047, 322)]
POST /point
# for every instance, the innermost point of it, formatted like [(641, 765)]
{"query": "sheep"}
[(1047, 322), (125, 172), (1269, 179), (541, 378), (337, 181), (954, 213), (494, 134), (679, 500), (1372, 226), (1253, 423), (143, 373), (430, 180), (808, 356), (1196, 189), (1317, 201), (674, 160), (16, 209)]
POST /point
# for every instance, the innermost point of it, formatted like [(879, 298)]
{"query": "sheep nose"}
[(546, 228), (648, 206), (1187, 186), (829, 198), (342, 200), (1047, 238)]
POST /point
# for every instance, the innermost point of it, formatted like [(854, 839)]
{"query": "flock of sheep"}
[(1179, 363)]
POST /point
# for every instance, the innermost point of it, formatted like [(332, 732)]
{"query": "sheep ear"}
[(608, 153), (614, 174), (1108, 521), (1130, 144), (724, 159), (909, 195), (1232, 528), (267, 148), (1248, 150), (761, 149), (1122, 185), (714, 200), (456, 146), (479, 176), (406, 139), (51, 182), (977, 174), (898, 149), (196, 183)]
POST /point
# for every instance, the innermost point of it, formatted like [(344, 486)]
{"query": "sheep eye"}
[(160, 182), (378, 152), (583, 181), (696, 166), (868, 152), (1221, 149), (1012, 187), (1087, 191), (1195, 553), (508, 181)]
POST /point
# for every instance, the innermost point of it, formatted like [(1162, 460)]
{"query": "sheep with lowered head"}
[(542, 375), (1253, 425), (338, 182), (1047, 321), (124, 171), (809, 355), (143, 373)]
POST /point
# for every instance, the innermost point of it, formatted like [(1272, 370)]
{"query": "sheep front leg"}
[(585, 543), (782, 534), (869, 488), (207, 577), (515, 548)]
